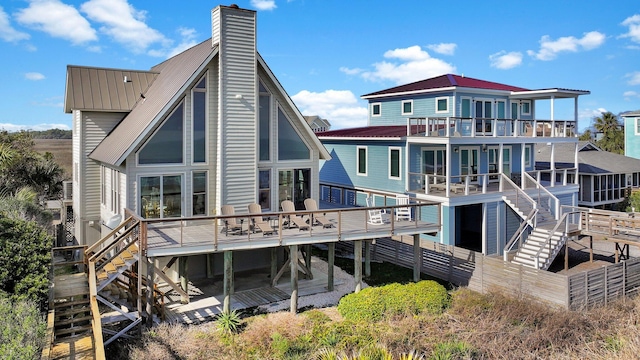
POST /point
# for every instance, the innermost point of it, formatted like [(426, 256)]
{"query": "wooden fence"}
[(480, 273)]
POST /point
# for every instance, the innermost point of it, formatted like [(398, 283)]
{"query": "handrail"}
[(505, 180), (109, 235), (555, 210), (485, 127), (518, 234), (551, 234), (49, 337), (96, 324), (112, 245)]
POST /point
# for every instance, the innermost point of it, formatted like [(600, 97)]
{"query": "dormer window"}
[(407, 107)]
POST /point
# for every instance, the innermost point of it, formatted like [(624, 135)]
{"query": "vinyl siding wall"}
[(491, 227), (631, 140)]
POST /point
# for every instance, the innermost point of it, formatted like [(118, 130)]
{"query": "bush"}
[(22, 329), (25, 257), (373, 304)]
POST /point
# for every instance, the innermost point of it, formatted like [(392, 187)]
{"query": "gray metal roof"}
[(173, 76), (591, 160), (90, 88), (631, 113)]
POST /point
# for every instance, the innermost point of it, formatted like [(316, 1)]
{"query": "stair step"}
[(64, 304), (117, 261), (74, 330), (110, 268), (73, 320)]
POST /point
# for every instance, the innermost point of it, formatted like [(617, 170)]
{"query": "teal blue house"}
[(631, 121), (465, 143)]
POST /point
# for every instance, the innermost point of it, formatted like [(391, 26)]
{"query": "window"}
[(115, 191), (294, 185), (264, 125), (376, 109), (361, 160), (161, 196), (528, 156), (264, 189), (199, 108), (442, 105), (394, 163), (166, 145), (199, 181), (290, 145), (465, 105), (407, 107), (526, 107), (484, 110), (514, 110)]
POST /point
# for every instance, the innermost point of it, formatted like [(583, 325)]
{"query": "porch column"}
[(150, 277), (501, 158), (367, 258), (448, 169), (523, 160), (553, 122), (357, 264), (331, 255), (293, 253), (552, 165), (417, 258), (274, 263), (210, 271), (184, 276), (228, 281), (576, 164)]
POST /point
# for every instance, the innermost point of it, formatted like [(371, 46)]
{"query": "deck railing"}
[(456, 184), (488, 127), (555, 177)]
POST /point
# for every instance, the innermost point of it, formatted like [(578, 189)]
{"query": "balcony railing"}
[(487, 127)]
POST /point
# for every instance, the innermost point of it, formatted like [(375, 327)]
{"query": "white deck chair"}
[(375, 215), (403, 213)]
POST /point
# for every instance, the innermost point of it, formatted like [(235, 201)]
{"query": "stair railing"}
[(544, 198), (96, 321), (519, 234), (508, 184), (547, 244)]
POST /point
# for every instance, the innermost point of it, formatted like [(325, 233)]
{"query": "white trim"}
[(399, 149), (379, 109), (530, 159), (522, 103), (206, 119), (436, 107), (366, 160), (402, 107)]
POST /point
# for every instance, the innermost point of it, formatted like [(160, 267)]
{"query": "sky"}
[(328, 53)]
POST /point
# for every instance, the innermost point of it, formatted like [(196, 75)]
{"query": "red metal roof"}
[(444, 81), (380, 131)]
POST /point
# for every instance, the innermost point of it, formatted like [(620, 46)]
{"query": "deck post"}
[(331, 256), (210, 268), (150, 283), (293, 253), (417, 258), (357, 263), (307, 261), (590, 248), (367, 258), (228, 281), (274, 264), (566, 255), (184, 277)]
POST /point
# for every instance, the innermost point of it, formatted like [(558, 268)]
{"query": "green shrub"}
[(229, 322), (373, 304), (22, 329), (451, 350)]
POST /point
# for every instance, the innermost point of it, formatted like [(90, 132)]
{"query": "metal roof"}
[(173, 75), (381, 131), (631, 113), (101, 89), (591, 160)]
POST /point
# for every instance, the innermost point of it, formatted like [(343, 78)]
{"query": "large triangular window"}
[(166, 145), (290, 145)]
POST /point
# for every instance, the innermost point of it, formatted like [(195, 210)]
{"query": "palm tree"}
[(612, 133)]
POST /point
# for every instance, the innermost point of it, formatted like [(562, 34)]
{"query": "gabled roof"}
[(631, 113), (444, 82), (379, 132), (100, 89), (450, 82), (173, 76), (591, 159)]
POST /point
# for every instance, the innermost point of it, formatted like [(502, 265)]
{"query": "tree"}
[(612, 133), (586, 136)]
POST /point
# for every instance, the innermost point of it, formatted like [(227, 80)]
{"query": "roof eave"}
[(396, 138), (547, 93)]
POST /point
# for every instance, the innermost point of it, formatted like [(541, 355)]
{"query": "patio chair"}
[(287, 206), (259, 222), (312, 205), (231, 224), (375, 215), (403, 213)]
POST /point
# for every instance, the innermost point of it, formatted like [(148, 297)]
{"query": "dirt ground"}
[(579, 255)]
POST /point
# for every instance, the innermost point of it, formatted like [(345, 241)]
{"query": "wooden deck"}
[(208, 235)]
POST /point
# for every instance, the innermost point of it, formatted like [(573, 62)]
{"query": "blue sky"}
[(327, 53)]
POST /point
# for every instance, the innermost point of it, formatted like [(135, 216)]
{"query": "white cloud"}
[(7, 32), (188, 36), (264, 4), (124, 24), (340, 107), (443, 48), (58, 20), (631, 95), (633, 22), (35, 76), (414, 64), (634, 78), (549, 49), (37, 127), (348, 71), (505, 60)]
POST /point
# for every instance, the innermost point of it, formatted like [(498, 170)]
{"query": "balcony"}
[(485, 127)]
